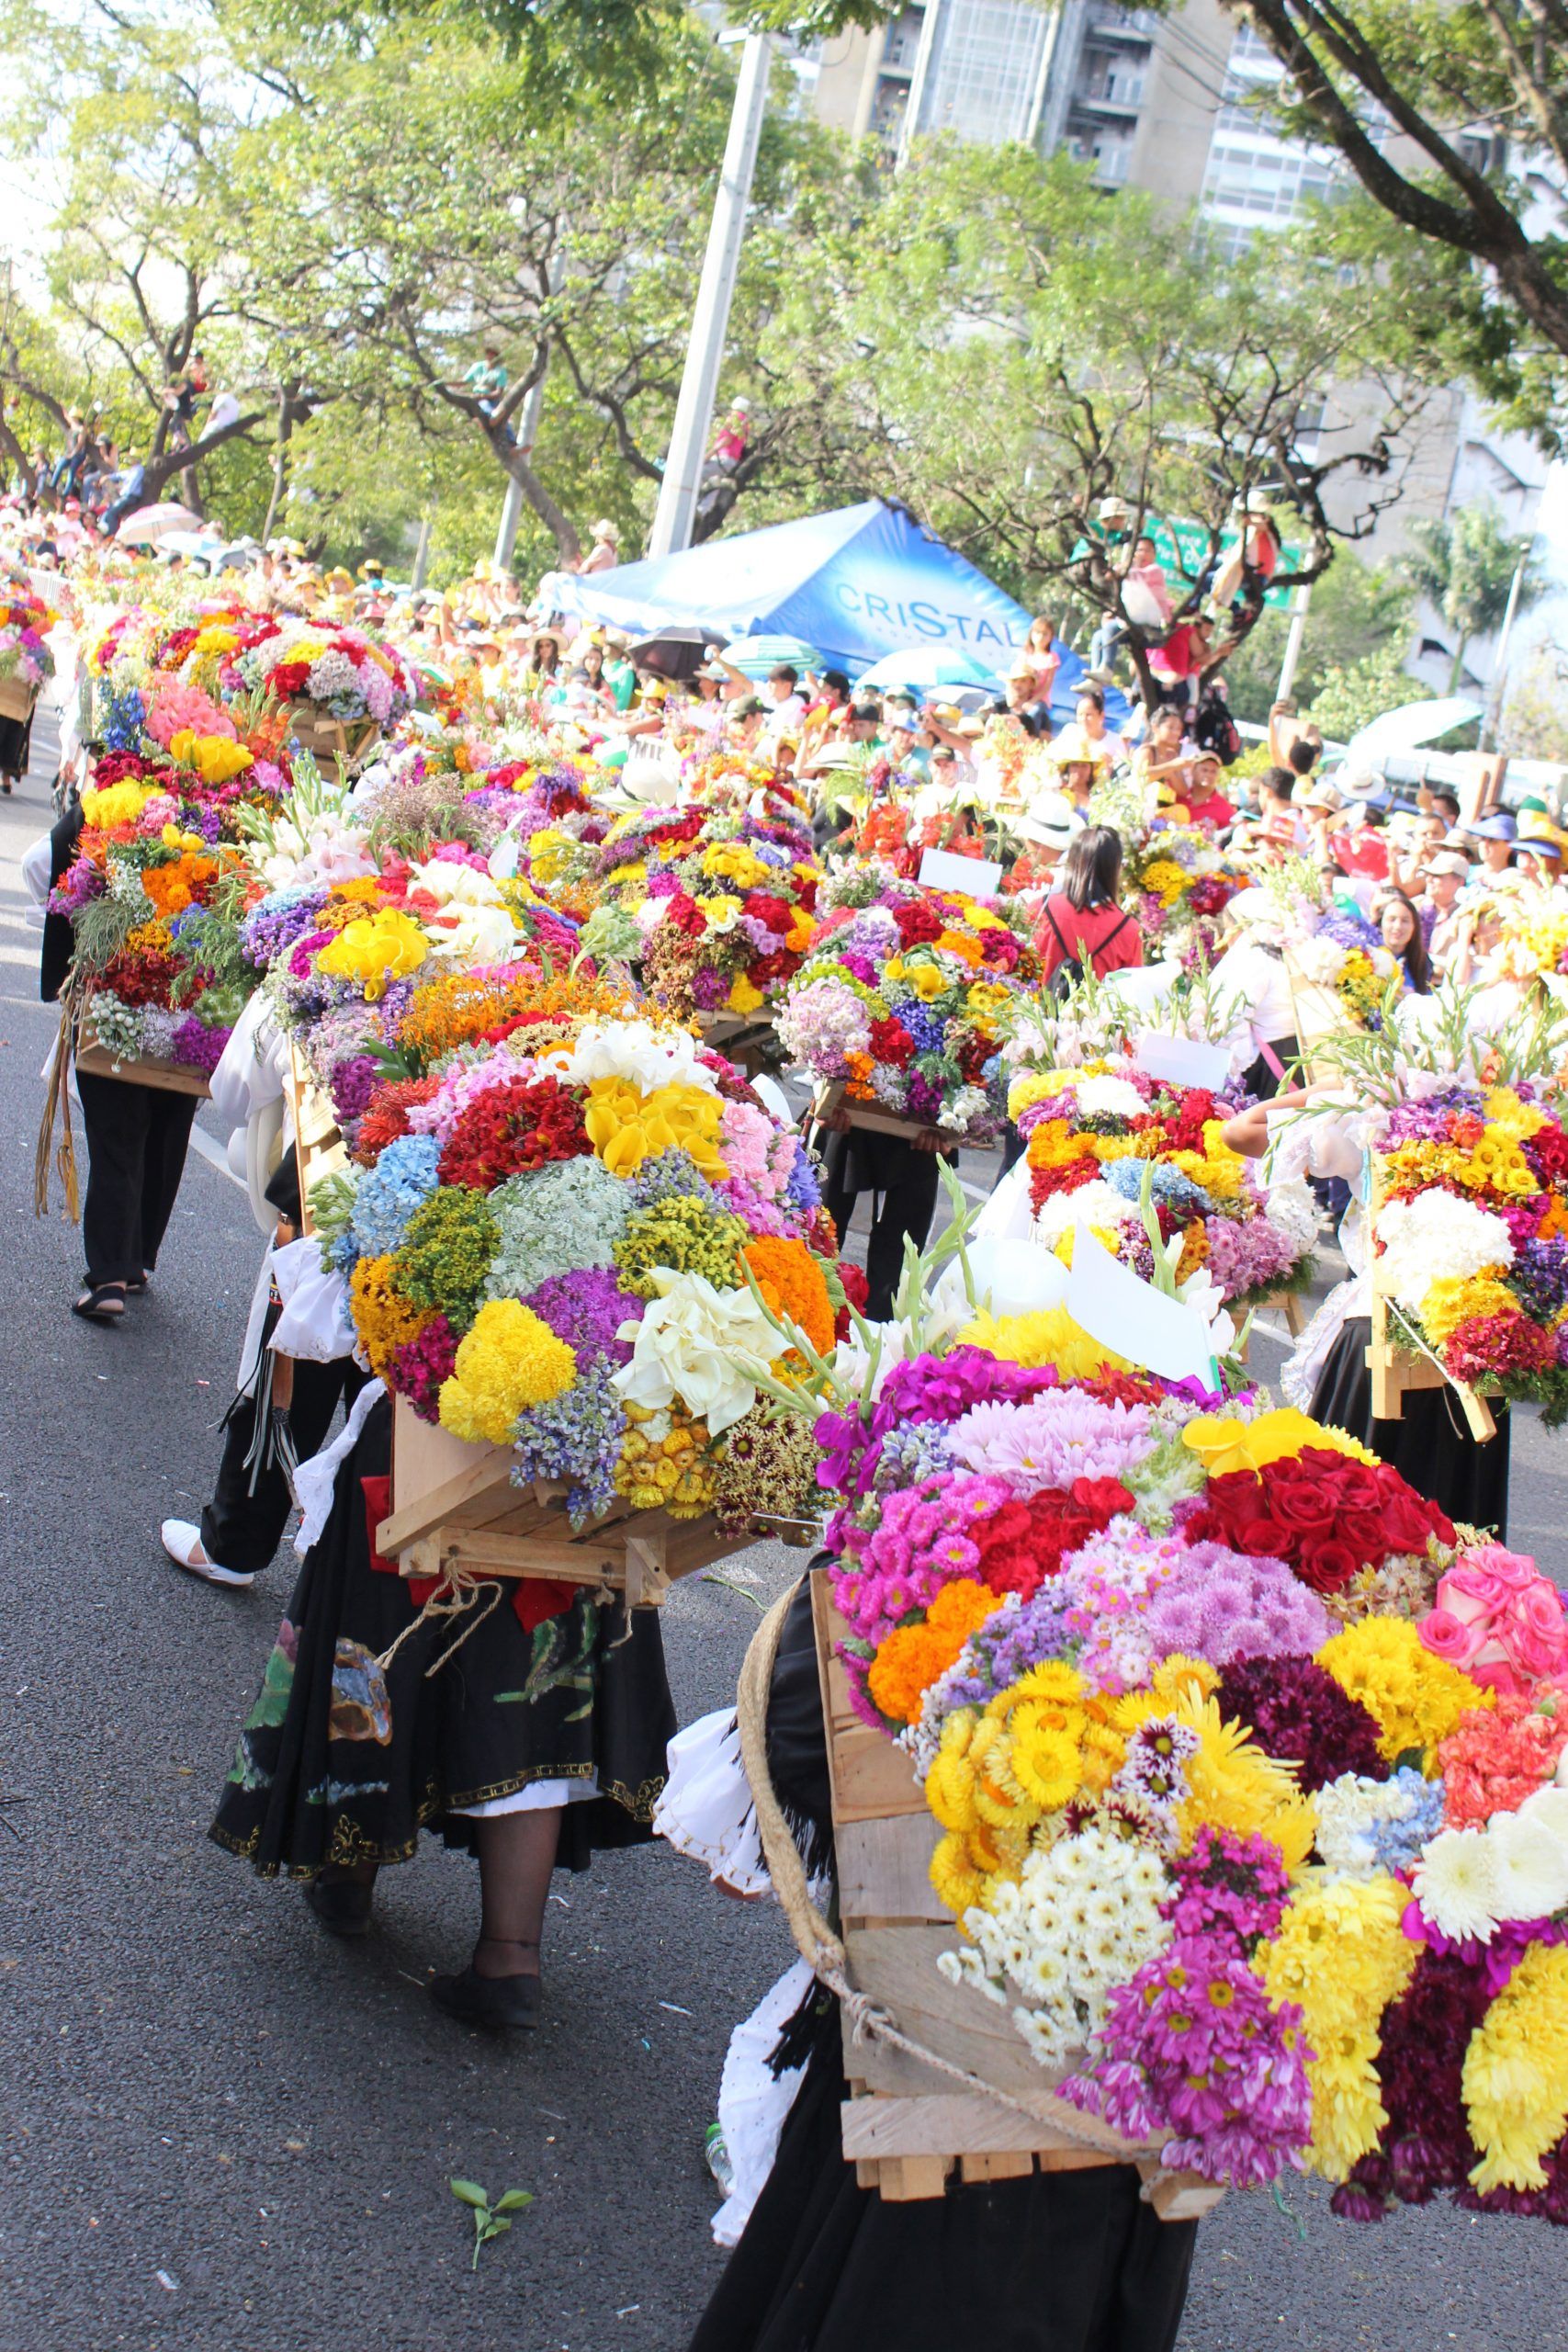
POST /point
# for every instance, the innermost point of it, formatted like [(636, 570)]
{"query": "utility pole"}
[(675, 516), (1499, 681), (422, 553), (527, 429), (1293, 642)]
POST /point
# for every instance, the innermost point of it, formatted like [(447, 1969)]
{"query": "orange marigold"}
[(1194, 1249), (912, 1657), (793, 1283), (180, 883)]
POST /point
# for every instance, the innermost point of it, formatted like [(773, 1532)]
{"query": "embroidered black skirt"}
[(342, 1761)]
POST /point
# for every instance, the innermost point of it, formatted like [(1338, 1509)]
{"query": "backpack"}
[(1070, 970), (1216, 730)]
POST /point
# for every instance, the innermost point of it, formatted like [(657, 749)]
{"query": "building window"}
[(985, 65)]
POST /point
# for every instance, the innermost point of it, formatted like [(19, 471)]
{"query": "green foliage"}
[(1464, 567), (490, 2220), (1356, 612), (1350, 695), (1535, 717)]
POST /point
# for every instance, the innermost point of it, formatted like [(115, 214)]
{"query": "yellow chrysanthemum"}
[(115, 804), (1516, 2074), (1451, 1301), (1231, 1783), (743, 997), (1341, 1953), (1047, 1335), (1414, 1699), (509, 1360), (954, 1879)]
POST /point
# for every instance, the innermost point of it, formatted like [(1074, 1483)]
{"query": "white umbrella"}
[(1406, 728), (151, 523)]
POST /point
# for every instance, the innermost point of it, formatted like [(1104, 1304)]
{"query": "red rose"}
[(685, 915), (917, 923), (891, 1043), (1328, 1567)]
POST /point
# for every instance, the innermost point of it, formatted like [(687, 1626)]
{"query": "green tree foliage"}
[(1357, 614), (1464, 567)]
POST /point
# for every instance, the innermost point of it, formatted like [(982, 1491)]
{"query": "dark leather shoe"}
[(342, 1905), (508, 2003)]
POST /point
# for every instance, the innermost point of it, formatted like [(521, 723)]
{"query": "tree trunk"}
[(568, 544), (279, 459)]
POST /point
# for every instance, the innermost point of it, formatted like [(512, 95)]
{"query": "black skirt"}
[(1430, 1445), (341, 1761), (1054, 2262), (16, 736)]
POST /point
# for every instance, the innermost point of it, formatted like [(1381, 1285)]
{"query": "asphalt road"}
[(223, 2132)]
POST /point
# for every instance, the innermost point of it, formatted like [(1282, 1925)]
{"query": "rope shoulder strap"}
[(824, 1951)]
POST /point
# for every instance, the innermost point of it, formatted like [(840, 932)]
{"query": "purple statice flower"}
[(910, 1453), (1051, 1440), (1539, 1278), (1021, 1634), (197, 1046), (575, 1439), (354, 1080), (1427, 1119), (586, 1309), (277, 922), (1349, 930), (668, 1175)]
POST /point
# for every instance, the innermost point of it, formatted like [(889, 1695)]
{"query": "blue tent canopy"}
[(859, 583)]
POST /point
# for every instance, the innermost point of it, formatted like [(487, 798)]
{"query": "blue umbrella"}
[(924, 666), (758, 655)]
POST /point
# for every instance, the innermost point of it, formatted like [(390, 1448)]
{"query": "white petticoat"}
[(706, 1810)]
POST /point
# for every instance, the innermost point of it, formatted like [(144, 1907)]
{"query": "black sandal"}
[(105, 1303), (506, 2004)]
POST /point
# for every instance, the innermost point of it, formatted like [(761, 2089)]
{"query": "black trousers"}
[(137, 1138), (903, 1182), (241, 1530)]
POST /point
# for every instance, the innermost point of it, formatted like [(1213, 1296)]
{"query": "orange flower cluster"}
[(184, 882), (384, 1318), (792, 1282), (912, 1657), (459, 1008)]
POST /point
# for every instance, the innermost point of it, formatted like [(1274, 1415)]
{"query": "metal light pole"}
[(527, 429), (1499, 681), (421, 553), (1293, 642), (675, 516)]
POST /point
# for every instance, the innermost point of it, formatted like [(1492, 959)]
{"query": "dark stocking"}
[(517, 1854)]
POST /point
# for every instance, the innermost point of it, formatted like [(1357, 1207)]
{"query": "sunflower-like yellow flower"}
[(509, 1360), (375, 950), (626, 1126), (1231, 1783)]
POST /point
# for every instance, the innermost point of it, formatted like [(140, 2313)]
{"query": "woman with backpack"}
[(1082, 927)]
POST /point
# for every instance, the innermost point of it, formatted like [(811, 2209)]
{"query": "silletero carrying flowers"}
[(584, 1237), (1245, 1759), (1094, 1135), (715, 903), (1471, 1232), (902, 998)]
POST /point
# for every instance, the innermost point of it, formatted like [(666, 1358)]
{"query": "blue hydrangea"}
[(388, 1194), (1398, 1837), (1169, 1185)]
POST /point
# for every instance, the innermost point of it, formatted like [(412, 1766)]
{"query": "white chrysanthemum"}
[(1092, 1205), (1531, 1865), (1118, 1096), (1437, 1236), (634, 1050), (453, 884), (1292, 1209), (1457, 1885)]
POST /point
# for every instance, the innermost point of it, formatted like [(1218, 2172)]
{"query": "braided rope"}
[(824, 1951)]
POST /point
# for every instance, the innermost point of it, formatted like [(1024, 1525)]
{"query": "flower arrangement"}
[(902, 999), (1266, 1865), (25, 656), (1096, 1135), (586, 1239), (1179, 885), (1471, 1236), (1346, 955), (340, 672), (715, 903)]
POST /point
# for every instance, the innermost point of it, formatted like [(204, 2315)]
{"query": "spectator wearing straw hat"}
[(605, 550)]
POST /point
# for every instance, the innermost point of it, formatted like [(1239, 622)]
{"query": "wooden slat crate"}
[(319, 1147), (329, 739), (169, 1078), (454, 1505), (871, 1116), (907, 2127)]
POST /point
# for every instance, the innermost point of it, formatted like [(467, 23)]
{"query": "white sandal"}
[(182, 1542)]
